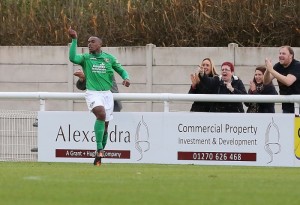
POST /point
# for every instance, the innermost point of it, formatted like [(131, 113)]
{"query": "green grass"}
[(80, 183)]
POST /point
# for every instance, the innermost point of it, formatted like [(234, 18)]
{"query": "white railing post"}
[(166, 106), (42, 105), (296, 105)]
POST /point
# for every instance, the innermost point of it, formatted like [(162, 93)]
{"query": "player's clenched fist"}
[(72, 33), (126, 83)]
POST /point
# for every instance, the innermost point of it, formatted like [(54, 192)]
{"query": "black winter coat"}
[(200, 106), (218, 87), (263, 107)]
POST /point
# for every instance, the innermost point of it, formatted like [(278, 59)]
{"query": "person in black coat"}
[(196, 87), (226, 83), (287, 73), (258, 88)]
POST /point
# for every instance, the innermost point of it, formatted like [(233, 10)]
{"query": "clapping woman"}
[(196, 87), (258, 88)]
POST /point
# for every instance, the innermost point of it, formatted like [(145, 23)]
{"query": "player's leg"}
[(101, 104), (99, 129), (95, 103), (99, 126), (109, 108), (105, 136)]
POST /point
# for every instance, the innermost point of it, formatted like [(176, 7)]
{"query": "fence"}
[(18, 130), (18, 135)]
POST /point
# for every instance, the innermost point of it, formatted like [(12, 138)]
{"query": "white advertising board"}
[(172, 138)]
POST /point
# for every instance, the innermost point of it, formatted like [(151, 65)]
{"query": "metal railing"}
[(163, 97)]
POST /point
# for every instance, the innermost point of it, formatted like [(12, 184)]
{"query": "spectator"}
[(287, 73), (226, 83), (258, 88), (197, 88)]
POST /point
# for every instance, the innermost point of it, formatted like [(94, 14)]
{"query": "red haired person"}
[(226, 83)]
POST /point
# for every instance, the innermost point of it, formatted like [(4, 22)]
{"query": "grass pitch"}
[(30, 183)]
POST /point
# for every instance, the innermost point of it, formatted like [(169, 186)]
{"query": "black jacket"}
[(217, 85), (294, 89), (200, 106), (263, 107)]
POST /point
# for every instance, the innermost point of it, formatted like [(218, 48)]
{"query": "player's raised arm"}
[(73, 56)]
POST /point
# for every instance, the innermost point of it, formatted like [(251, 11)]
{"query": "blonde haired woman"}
[(197, 88)]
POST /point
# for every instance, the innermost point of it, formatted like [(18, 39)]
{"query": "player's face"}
[(94, 45), (285, 58)]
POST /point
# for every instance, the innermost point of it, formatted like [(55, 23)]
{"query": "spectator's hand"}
[(80, 74), (195, 80), (269, 65), (252, 86), (72, 33), (201, 71), (229, 87), (126, 83)]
